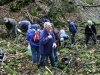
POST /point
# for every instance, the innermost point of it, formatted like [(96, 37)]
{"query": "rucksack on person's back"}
[(74, 28), (36, 35)]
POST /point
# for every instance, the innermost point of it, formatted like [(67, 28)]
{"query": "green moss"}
[(96, 22), (34, 12)]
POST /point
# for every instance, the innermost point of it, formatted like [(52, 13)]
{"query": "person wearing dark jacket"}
[(46, 44), (34, 45), (90, 31), (11, 26), (73, 29), (24, 25), (57, 38)]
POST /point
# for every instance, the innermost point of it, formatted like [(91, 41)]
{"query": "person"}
[(63, 36), (24, 25), (34, 45), (90, 31), (46, 44), (57, 38), (11, 26), (45, 20), (73, 29)]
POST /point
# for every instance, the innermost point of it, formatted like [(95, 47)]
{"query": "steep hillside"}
[(83, 61)]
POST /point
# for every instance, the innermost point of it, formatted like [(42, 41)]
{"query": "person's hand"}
[(54, 45), (19, 30), (50, 36)]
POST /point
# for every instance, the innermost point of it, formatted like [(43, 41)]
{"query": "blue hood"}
[(34, 27)]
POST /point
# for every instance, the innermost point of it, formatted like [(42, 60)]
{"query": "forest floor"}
[(84, 61)]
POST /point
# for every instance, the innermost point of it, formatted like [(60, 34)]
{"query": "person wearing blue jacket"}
[(45, 20), (34, 45), (46, 44), (73, 30), (24, 25)]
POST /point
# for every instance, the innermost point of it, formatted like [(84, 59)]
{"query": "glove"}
[(54, 45), (19, 30)]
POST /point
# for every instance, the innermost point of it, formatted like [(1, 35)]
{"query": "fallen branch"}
[(88, 5), (48, 69)]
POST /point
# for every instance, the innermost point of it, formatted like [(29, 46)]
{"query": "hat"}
[(5, 20), (35, 22), (45, 20)]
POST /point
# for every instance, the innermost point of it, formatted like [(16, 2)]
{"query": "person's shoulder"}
[(93, 25), (11, 19)]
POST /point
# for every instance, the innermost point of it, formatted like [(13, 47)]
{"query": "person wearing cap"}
[(34, 45), (46, 44), (45, 20), (57, 38), (90, 31), (11, 26), (24, 25), (73, 29)]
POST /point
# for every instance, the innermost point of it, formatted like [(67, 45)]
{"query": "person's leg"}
[(42, 60), (33, 50), (8, 32), (87, 39), (72, 38), (55, 54), (15, 31), (38, 54), (52, 60), (94, 38)]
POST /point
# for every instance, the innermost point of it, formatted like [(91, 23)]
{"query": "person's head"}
[(52, 25), (68, 21), (47, 26), (35, 23), (5, 19), (89, 22), (45, 20)]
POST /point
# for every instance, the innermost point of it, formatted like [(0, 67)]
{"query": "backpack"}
[(36, 35), (74, 28)]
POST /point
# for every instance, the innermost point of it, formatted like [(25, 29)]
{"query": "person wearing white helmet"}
[(90, 31)]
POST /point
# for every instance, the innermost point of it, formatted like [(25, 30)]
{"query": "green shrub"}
[(34, 12), (17, 5)]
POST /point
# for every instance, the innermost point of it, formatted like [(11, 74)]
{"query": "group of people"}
[(44, 42)]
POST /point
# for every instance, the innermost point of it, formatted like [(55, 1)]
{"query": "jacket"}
[(24, 25), (72, 27), (10, 25), (30, 34), (91, 30), (45, 44)]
